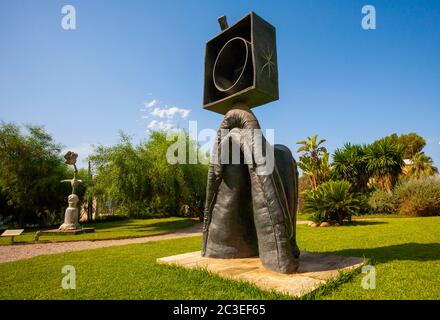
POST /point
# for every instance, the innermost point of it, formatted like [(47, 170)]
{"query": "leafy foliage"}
[(312, 147), (314, 160), (332, 201), (422, 166), (419, 197), (303, 185), (350, 163), (139, 181), (381, 202), (384, 161), (30, 172), (411, 143)]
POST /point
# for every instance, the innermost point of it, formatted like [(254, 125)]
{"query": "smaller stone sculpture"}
[(72, 213)]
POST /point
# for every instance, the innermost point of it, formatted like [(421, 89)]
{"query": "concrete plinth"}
[(315, 270), (38, 234)]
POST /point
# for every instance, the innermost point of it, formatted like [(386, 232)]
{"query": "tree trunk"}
[(340, 218)]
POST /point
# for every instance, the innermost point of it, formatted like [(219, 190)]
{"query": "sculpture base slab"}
[(315, 269), (64, 232)]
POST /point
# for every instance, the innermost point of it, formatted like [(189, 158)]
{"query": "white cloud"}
[(162, 118), (151, 103), (170, 112), (159, 125)]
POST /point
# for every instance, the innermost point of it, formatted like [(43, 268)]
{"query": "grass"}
[(112, 230), (405, 252), (307, 216)]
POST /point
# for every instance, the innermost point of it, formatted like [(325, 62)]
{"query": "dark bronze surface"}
[(259, 83), (223, 22), (233, 67), (247, 214)]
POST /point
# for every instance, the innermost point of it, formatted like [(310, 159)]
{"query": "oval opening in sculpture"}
[(230, 65)]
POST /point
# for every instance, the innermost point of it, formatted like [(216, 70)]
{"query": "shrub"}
[(419, 197), (384, 161), (31, 168), (381, 202), (139, 181), (332, 201), (303, 185)]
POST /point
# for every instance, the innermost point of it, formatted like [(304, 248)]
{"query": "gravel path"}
[(27, 251)]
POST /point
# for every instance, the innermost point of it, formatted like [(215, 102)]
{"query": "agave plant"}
[(332, 201)]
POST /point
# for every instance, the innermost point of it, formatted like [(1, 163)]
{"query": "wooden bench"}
[(12, 233)]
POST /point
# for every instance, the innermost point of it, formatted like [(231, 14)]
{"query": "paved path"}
[(27, 251)]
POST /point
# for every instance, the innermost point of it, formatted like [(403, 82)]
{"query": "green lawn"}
[(307, 216), (406, 253), (113, 230)]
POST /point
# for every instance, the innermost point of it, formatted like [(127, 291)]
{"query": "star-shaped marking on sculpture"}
[(268, 61)]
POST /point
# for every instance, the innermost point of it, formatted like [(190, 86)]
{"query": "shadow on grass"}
[(408, 251), (135, 226), (165, 226), (360, 223)]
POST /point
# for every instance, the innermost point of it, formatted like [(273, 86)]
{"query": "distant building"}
[(407, 164)]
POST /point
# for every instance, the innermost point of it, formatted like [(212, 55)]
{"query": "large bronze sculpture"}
[(250, 210)]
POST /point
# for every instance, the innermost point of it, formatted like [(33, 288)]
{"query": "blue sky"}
[(336, 79)]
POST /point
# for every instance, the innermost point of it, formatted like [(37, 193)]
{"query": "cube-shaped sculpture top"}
[(241, 66)]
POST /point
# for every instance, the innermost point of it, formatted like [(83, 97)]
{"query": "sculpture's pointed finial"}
[(223, 22)]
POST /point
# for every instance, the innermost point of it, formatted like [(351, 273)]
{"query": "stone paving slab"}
[(315, 270)]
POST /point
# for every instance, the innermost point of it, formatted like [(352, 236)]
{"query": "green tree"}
[(139, 180), (411, 143), (422, 166), (30, 172), (314, 160), (312, 147), (384, 162), (350, 163)]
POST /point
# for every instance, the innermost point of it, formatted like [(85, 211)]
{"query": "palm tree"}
[(422, 166), (324, 171), (350, 163), (309, 169), (312, 147), (384, 161), (314, 160)]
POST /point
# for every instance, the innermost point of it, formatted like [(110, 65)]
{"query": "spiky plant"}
[(384, 161), (332, 201), (350, 163)]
